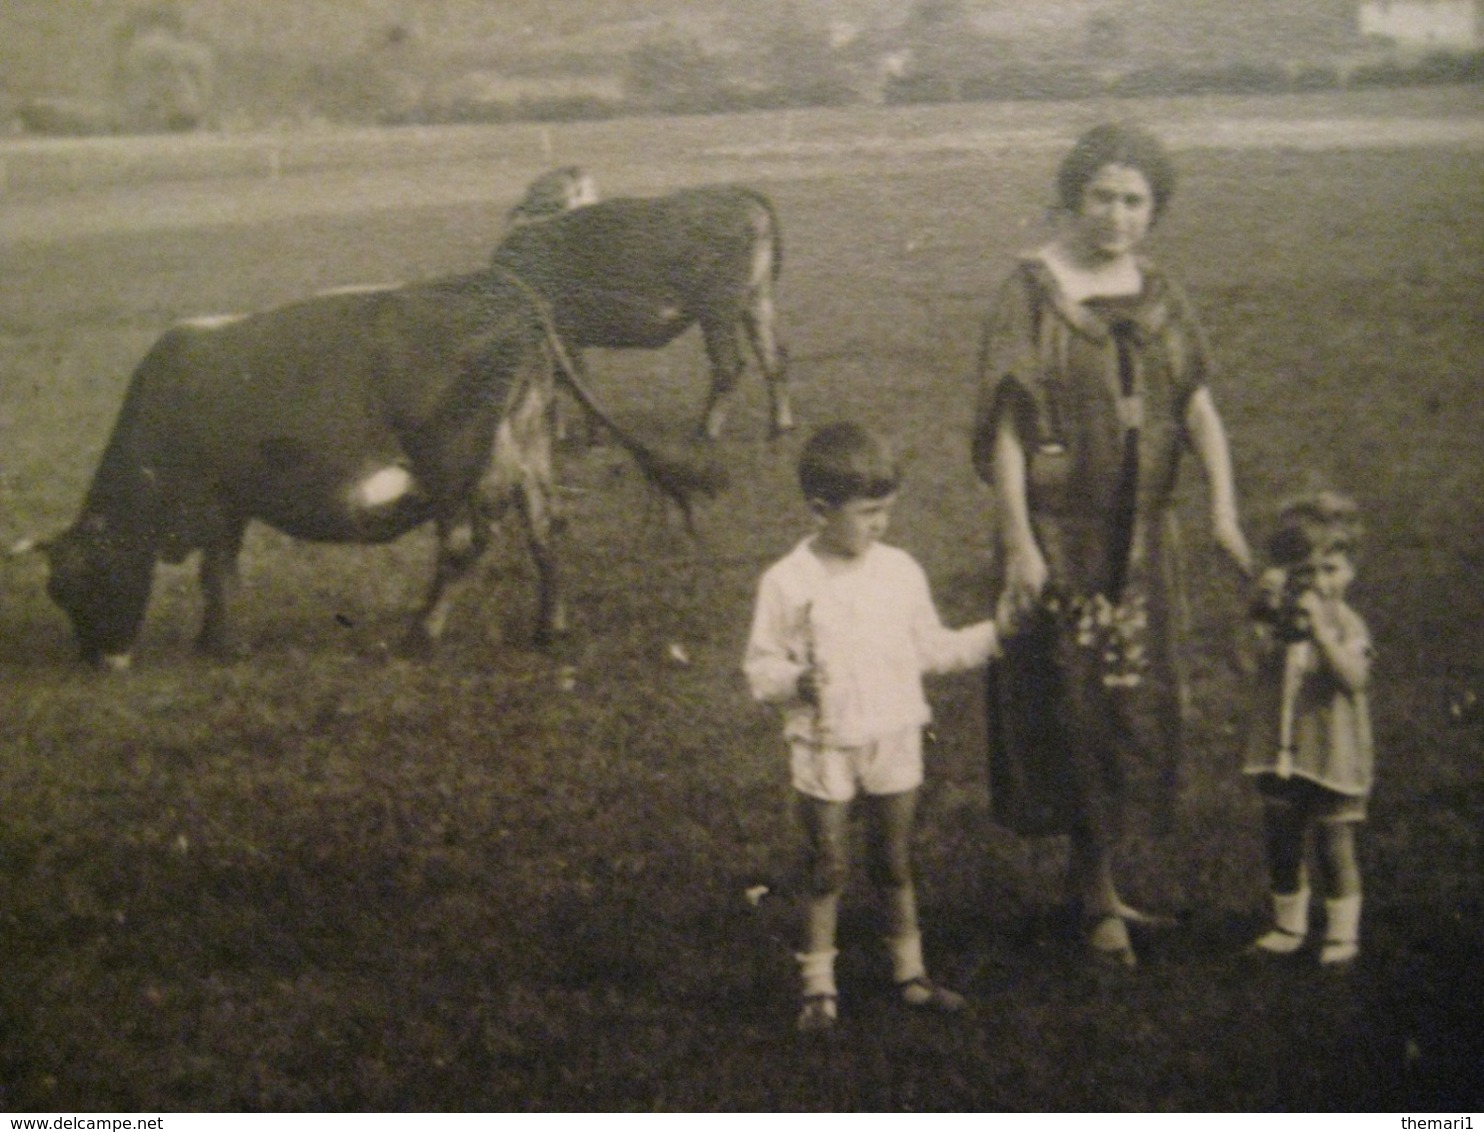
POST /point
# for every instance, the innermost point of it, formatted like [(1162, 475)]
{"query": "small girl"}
[(1309, 742)]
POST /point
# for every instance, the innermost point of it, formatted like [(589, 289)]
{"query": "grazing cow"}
[(637, 271), (552, 194), (351, 417)]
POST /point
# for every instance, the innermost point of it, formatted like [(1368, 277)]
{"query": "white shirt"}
[(869, 627)]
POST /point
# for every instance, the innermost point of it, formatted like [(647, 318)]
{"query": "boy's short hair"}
[(1323, 522), (844, 461)]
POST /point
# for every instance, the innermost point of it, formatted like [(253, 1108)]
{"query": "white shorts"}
[(890, 765)]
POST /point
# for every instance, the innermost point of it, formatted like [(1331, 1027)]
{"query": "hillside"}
[(63, 46)]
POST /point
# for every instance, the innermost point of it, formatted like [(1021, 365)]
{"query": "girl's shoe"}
[(1278, 941), (922, 993), (1338, 953), (818, 1014), (1290, 923), (1108, 942)]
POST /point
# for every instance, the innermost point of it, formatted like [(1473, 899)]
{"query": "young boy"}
[(1309, 743), (843, 630)]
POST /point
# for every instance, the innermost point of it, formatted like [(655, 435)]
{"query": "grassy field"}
[(323, 878)]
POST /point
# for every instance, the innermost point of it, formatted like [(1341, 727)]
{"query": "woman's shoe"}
[(1131, 915), (1108, 942), (1338, 954)]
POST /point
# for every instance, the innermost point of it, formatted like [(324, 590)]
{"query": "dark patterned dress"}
[(1084, 708)]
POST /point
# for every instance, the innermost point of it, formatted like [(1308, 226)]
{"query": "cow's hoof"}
[(219, 651), (417, 644), (713, 424), (550, 631), (106, 663)]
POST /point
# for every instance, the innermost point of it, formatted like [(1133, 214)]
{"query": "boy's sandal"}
[(922, 993), (818, 1014), (1131, 915)]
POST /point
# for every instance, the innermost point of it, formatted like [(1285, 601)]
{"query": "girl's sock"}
[(817, 969), (1341, 930), (1290, 923)]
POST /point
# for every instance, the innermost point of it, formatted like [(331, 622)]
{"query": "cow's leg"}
[(565, 409), (526, 459), (534, 502), (562, 409), (724, 352), (772, 359), (219, 585), (462, 540), (760, 319)]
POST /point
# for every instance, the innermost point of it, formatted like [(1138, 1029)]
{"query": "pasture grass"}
[(325, 878)]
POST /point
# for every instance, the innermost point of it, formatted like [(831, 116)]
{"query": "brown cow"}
[(637, 271), (351, 417)]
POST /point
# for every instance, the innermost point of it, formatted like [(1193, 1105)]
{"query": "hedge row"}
[(1007, 83)]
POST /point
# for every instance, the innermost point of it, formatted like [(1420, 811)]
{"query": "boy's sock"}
[(817, 972), (1290, 923), (1341, 930)]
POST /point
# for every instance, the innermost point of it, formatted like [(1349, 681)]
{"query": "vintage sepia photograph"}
[(712, 556)]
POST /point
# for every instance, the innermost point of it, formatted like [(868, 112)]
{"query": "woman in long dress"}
[(1093, 378)]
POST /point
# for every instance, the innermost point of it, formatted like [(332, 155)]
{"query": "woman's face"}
[(1117, 210)]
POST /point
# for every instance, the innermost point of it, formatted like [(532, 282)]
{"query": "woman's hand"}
[(1026, 575), (1229, 537), (1208, 438)]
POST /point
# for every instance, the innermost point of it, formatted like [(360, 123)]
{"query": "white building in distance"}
[(1439, 24)]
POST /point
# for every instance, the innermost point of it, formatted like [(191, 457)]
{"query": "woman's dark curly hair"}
[(1113, 143)]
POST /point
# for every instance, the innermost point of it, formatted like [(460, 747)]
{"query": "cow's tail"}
[(680, 479)]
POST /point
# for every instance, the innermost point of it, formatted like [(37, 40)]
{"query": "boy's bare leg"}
[(826, 832), (891, 820)]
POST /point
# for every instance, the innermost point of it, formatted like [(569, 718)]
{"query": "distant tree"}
[(393, 75), (164, 79), (1106, 39), (672, 74), (797, 63), (944, 47)]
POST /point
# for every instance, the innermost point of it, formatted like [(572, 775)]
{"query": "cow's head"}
[(100, 577), (552, 194)]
